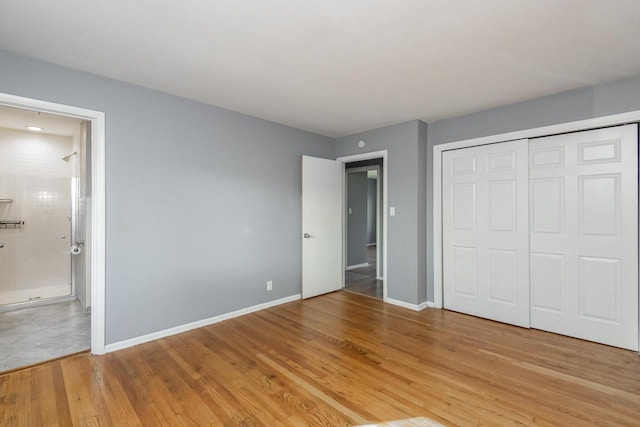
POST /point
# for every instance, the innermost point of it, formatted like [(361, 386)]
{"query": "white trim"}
[(597, 122), (425, 304), (363, 156), (383, 154), (197, 324), (579, 125), (414, 307), (98, 240), (353, 267), (98, 235)]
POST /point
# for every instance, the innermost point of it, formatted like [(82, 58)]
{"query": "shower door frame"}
[(98, 203)]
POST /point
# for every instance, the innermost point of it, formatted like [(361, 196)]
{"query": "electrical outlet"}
[(269, 285)]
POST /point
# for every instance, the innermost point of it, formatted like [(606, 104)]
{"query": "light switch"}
[(350, 211), (392, 211)]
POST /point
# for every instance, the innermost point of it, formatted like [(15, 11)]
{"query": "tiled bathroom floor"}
[(37, 334)]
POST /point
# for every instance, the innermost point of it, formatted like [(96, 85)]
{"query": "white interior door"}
[(321, 226), (486, 231), (584, 235)]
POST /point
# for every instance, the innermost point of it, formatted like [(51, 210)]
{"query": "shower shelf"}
[(6, 200), (11, 224)]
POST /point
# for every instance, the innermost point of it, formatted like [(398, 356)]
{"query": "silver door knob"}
[(306, 235)]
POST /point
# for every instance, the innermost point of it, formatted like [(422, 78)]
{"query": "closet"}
[(543, 233)]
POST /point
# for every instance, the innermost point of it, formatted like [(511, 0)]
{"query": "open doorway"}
[(45, 288), (60, 275), (363, 226)]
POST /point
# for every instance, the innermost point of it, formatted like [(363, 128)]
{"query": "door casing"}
[(98, 241), (356, 158)]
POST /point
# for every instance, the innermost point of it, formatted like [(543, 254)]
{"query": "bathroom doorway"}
[(45, 202)]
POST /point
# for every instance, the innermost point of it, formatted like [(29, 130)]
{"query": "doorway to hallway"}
[(363, 280), (363, 213)]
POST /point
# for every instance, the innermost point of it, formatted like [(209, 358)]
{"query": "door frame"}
[(383, 154), (98, 203), (575, 126)]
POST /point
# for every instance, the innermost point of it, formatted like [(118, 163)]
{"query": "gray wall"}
[(406, 147), (372, 215), (585, 103), (197, 194), (357, 218), (203, 204)]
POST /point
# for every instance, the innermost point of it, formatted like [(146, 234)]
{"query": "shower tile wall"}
[(35, 261)]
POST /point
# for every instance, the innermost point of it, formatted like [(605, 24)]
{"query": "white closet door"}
[(486, 231), (584, 235)]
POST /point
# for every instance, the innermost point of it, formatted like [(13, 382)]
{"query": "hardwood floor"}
[(337, 359), (364, 280)]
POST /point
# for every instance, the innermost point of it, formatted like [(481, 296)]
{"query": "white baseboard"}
[(414, 307), (197, 324), (431, 304), (423, 305), (353, 267)]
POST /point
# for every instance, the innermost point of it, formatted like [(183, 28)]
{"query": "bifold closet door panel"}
[(584, 235), (485, 231)]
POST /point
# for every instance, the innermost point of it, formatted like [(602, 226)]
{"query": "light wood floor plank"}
[(44, 407), (335, 360)]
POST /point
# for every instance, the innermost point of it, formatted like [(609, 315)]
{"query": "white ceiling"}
[(337, 67), (19, 119)]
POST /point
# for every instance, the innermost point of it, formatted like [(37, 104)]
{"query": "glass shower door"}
[(35, 234)]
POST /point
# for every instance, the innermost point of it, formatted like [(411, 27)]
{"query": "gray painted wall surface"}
[(357, 219), (406, 172), (196, 193), (203, 204), (372, 197), (585, 103)]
